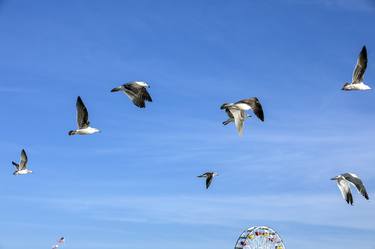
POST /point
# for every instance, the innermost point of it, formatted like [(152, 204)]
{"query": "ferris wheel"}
[(259, 237)]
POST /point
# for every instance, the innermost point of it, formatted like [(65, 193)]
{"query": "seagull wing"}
[(239, 117), (16, 165), (361, 66), (23, 161), (145, 95), (354, 179), (82, 114), (136, 94), (345, 190), (256, 106), (209, 180)]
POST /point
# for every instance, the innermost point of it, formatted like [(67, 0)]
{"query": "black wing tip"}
[(14, 163), (79, 100), (139, 102), (364, 51)]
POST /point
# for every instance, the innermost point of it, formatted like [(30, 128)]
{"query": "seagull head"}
[(345, 87), (29, 171), (225, 105)]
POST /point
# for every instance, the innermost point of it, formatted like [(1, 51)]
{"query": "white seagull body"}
[(82, 120), (344, 181), (136, 91), (209, 177), (236, 112), (358, 74), (21, 168)]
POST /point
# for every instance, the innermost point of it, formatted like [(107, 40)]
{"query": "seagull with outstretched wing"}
[(209, 177), (237, 112), (136, 91), (344, 181), (358, 74), (21, 168), (82, 120)]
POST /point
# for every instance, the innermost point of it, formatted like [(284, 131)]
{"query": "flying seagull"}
[(82, 120), (59, 243), (344, 181), (230, 115), (136, 91), (209, 177), (358, 74), (236, 112), (21, 168)]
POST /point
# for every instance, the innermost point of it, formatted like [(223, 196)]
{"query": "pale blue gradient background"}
[(134, 185)]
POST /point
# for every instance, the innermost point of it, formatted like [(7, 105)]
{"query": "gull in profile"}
[(209, 177), (82, 120), (60, 242), (344, 181), (136, 91), (21, 168), (236, 112), (358, 74)]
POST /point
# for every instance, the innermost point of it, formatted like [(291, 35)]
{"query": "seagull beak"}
[(333, 178)]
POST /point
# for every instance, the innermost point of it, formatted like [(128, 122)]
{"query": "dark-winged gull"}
[(358, 74), (21, 168), (344, 181), (60, 242), (136, 91), (82, 120), (209, 177), (236, 111)]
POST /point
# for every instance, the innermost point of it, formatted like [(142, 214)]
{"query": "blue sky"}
[(134, 185)]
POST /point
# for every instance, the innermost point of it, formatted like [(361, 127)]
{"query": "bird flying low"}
[(82, 120), (209, 177), (60, 242), (21, 168), (344, 181), (358, 74), (236, 112), (136, 91)]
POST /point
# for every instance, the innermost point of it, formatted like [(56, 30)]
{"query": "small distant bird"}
[(209, 177), (21, 168), (82, 120), (59, 243), (358, 74), (344, 181), (136, 91), (236, 112)]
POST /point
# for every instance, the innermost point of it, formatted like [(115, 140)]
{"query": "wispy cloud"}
[(322, 209)]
